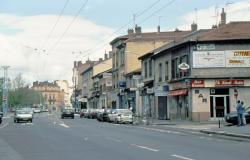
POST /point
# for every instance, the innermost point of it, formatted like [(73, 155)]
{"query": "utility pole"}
[(75, 92), (5, 89)]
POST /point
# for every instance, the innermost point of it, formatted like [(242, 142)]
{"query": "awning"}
[(178, 92), (83, 100)]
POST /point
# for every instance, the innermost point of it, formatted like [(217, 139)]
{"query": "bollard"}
[(219, 123)]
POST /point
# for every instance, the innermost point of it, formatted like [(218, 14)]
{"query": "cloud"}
[(22, 49), (238, 11)]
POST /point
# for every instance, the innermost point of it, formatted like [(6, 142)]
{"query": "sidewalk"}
[(208, 127)]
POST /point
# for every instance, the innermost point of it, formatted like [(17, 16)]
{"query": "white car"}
[(121, 116), (23, 115), (36, 110)]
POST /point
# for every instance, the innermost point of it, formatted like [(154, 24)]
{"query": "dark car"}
[(1, 117), (68, 112), (233, 118), (83, 113), (103, 116)]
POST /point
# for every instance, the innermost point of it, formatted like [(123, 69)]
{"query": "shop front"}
[(213, 99)]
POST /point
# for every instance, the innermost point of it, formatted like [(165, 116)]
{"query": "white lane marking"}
[(113, 139), (64, 125), (181, 157), (6, 117), (5, 125), (144, 147)]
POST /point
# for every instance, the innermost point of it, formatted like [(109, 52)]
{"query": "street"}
[(49, 137)]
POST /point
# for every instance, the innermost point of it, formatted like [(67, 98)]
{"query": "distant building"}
[(64, 86), (53, 95)]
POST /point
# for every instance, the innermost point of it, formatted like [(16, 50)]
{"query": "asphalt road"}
[(50, 138)]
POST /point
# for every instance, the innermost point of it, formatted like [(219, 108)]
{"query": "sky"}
[(42, 38)]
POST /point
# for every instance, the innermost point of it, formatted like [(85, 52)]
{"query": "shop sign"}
[(160, 93), (107, 75), (224, 83), (198, 83), (183, 66), (136, 77), (122, 84), (178, 92), (239, 58), (150, 90), (178, 85), (205, 47)]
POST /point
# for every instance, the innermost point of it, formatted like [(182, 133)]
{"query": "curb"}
[(226, 134)]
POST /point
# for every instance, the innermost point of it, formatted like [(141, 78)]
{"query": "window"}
[(174, 68), (160, 72), (166, 71), (145, 69), (150, 67)]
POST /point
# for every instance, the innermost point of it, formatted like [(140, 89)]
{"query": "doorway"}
[(219, 106)]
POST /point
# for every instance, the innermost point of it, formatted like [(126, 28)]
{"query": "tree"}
[(21, 95)]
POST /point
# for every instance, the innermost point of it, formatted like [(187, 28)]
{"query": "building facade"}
[(126, 50), (203, 74), (53, 95)]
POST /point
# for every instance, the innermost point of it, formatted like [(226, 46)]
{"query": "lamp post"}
[(5, 90)]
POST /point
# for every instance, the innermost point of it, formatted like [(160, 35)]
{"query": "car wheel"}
[(31, 121), (62, 117), (73, 117)]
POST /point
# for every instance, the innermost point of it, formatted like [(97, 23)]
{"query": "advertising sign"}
[(208, 59), (198, 83), (239, 58), (229, 82)]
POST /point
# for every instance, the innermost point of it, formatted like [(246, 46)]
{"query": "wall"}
[(102, 66), (223, 72), (137, 49)]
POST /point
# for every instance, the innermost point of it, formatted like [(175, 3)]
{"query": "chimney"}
[(223, 17), (158, 29), (137, 29), (130, 31), (194, 27)]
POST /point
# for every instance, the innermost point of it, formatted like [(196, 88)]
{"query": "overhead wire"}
[(98, 45), (69, 25), (55, 24), (137, 15)]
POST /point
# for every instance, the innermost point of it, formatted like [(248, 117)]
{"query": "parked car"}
[(233, 118), (103, 116), (121, 116), (83, 113), (1, 117), (23, 115), (67, 112), (92, 113)]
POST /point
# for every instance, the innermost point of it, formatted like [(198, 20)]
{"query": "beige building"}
[(64, 86), (126, 50), (102, 84), (53, 95)]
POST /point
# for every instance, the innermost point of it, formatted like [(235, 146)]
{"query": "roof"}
[(144, 36), (231, 31), (170, 35), (119, 38), (134, 72), (193, 36)]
